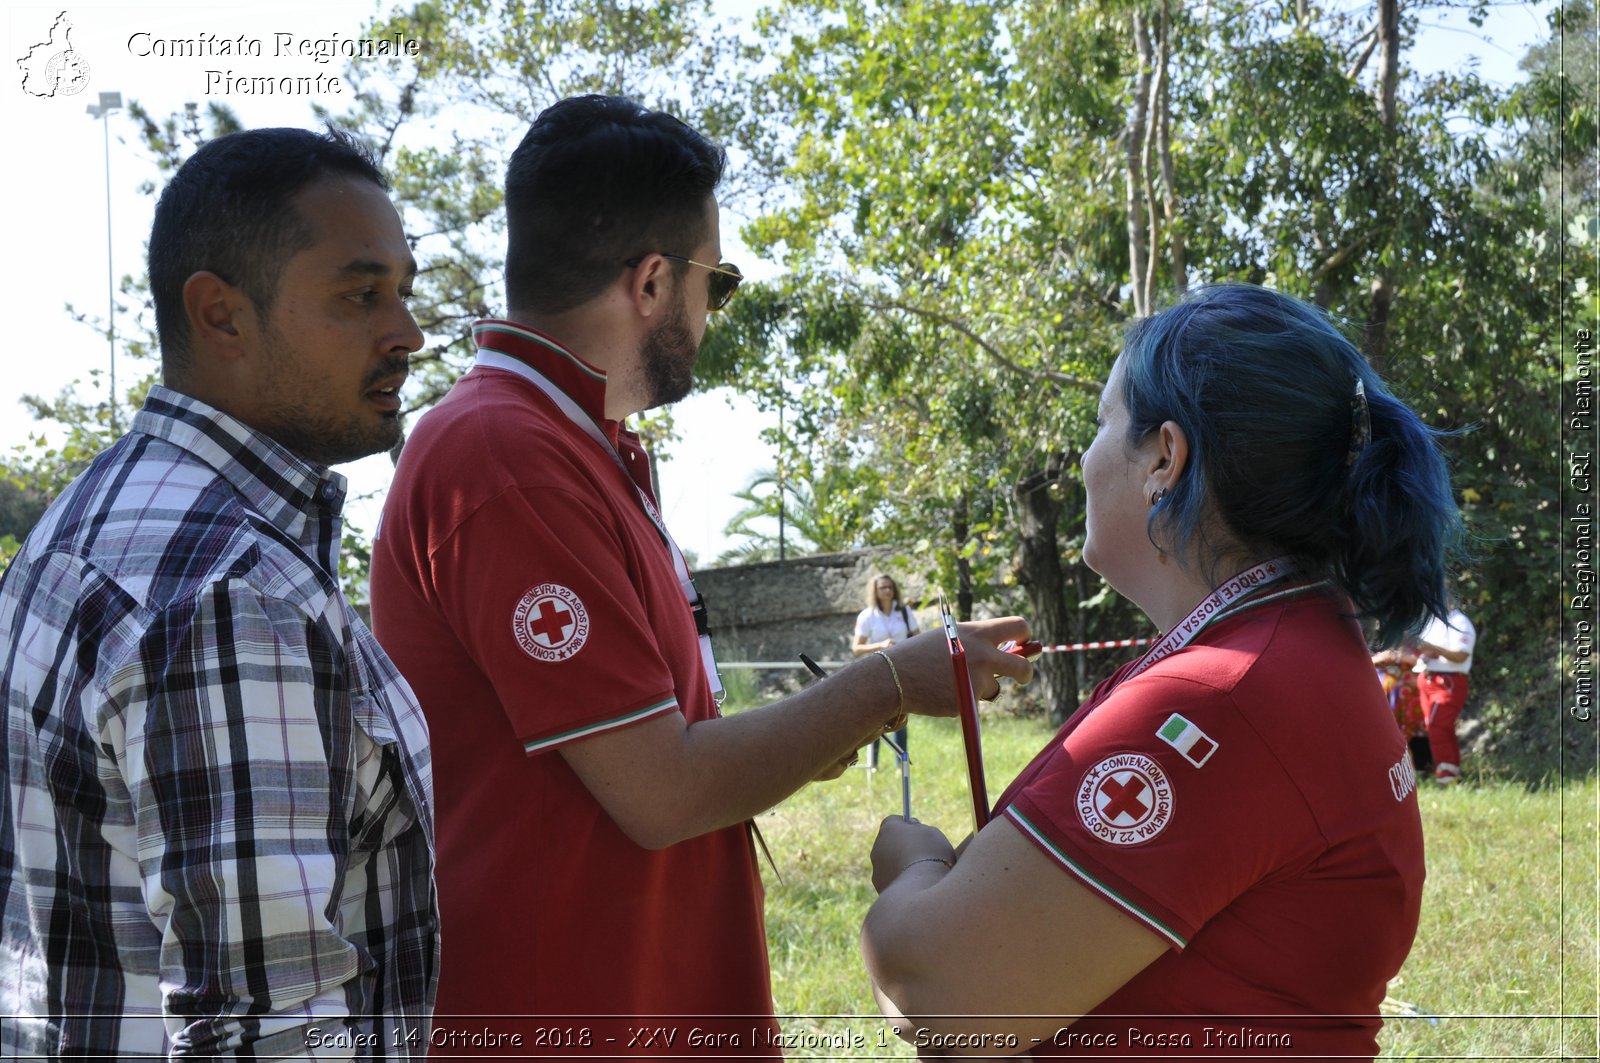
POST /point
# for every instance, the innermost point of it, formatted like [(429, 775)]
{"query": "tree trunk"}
[(1084, 680), (1377, 331), (1043, 580), (1388, 59), (1322, 291), (1383, 287), (961, 527), (1133, 150), (1169, 181), (1080, 584), (1150, 163)]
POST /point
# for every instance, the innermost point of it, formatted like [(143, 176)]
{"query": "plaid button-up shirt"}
[(216, 813)]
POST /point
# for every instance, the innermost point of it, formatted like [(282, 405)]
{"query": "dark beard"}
[(321, 436), (325, 441), (668, 355)]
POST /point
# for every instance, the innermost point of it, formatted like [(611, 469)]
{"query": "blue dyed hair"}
[(1262, 385)]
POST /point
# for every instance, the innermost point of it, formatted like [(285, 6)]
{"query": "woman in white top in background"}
[(884, 622)]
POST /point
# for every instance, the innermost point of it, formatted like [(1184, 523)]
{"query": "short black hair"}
[(229, 210), (599, 180)]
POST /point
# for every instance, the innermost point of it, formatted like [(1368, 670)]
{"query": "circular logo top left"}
[(67, 73), (550, 623), (53, 67)]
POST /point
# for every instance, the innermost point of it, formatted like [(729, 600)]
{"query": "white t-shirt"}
[(900, 624), (1456, 633)]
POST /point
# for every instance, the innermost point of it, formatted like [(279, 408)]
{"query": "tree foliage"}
[(973, 199)]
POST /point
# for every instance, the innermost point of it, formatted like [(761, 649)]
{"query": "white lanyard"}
[(1211, 608), (577, 415)]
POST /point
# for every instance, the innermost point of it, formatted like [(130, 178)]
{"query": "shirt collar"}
[(582, 382), (276, 483)]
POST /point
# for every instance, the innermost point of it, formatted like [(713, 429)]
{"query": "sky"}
[(55, 192)]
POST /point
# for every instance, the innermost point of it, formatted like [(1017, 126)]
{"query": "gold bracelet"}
[(899, 719), (926, 860)]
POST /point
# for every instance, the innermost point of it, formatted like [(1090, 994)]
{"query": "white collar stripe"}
[(533, 337)]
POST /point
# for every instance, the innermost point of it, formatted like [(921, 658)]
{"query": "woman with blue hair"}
[(1221, 849)]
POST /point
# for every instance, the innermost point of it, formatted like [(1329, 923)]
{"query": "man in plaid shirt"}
[(216, 816)]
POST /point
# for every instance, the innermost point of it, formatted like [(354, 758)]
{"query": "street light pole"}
[(783, 551), (109, 101)]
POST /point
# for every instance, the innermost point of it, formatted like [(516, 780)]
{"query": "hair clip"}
[(1360, 422)]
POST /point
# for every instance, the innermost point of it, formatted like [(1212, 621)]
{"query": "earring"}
[(1157, 496)]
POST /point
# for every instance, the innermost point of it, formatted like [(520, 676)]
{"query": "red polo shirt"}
[(1249, 799), (522, 589)]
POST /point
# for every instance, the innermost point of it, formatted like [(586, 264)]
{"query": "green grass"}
[(1507, 942)]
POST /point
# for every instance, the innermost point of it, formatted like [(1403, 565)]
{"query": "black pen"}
[(900, 756)]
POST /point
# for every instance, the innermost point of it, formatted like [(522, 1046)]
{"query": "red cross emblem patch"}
[(550, 623), (1126, 799)]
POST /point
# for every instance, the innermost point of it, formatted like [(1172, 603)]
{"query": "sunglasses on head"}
[(724, 281)]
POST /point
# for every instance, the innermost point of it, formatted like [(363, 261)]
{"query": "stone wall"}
[(776, 610)]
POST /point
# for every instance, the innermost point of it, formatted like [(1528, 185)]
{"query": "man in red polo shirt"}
[(595, 866)]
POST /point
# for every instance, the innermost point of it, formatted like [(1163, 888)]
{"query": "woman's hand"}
[(902, 843), (861, 647), (961, 951)]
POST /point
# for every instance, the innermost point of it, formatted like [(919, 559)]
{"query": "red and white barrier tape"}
[(1028, 649), (1114, 644)]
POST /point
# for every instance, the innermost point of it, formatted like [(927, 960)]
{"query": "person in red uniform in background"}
[(1444, 659), (1229, 826), (595, 864), (1399, 682)]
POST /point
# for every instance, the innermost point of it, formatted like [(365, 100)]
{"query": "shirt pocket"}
[(381, 810)]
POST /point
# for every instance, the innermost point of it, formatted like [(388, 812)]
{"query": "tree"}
[(912, 210), (791, 501), (1564, 78), (977, 198), (34, 474), (973, 199)]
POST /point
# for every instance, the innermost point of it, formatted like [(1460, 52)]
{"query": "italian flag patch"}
[(1195, 745)]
